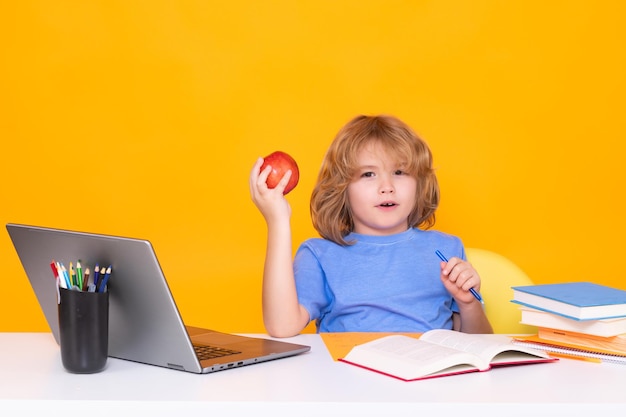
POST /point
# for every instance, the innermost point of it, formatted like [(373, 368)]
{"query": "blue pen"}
[(473, 291)]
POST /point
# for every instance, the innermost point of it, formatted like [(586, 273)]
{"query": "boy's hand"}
[(458, 276), (270, 201)]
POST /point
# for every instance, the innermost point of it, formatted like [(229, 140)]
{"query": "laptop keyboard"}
[(211, 352)]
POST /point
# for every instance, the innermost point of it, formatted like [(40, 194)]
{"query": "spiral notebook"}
[(568, 350)]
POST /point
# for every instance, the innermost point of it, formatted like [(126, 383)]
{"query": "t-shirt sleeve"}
[(311, 285)]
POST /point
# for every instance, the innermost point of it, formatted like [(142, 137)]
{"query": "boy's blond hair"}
[(330, 210)]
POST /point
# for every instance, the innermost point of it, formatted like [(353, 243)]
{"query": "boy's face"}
[(381, 194)]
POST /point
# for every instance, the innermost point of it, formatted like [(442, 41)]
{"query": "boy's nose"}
[(386, 187)]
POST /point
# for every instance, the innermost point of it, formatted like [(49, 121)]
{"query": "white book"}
[(440, 353), (601, 327)]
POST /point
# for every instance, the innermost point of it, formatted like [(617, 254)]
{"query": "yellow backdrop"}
[(143, 119)]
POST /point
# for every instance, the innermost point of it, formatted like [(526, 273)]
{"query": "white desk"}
[(32, 380)]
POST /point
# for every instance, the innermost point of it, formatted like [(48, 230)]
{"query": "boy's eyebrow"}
[(399, 164), (366, 166)]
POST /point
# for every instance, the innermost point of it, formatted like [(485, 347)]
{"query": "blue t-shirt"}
[(380, 283)]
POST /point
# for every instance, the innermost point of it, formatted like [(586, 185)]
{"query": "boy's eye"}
[(367, 174), (399, 172)]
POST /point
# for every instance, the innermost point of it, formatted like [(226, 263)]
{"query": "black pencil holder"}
[(83, 330)]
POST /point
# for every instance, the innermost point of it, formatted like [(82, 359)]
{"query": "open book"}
[(441, 353)]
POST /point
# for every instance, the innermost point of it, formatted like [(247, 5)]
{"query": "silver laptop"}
[(144, 323)]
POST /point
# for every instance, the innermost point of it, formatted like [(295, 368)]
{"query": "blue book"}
[(576, 300)]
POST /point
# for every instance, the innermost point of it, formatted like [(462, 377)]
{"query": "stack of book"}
[(575, 319)]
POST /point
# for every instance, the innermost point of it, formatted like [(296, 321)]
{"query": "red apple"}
[(281, 163)]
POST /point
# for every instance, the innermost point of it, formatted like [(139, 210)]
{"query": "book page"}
[(492, 348), (339, 344), (409, 358)]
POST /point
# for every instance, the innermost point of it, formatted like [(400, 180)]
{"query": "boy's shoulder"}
[(437, 235), (318, 242), (448, 243)]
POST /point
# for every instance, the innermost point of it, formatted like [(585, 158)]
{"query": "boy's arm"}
[(472, 319), (282, 314)]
